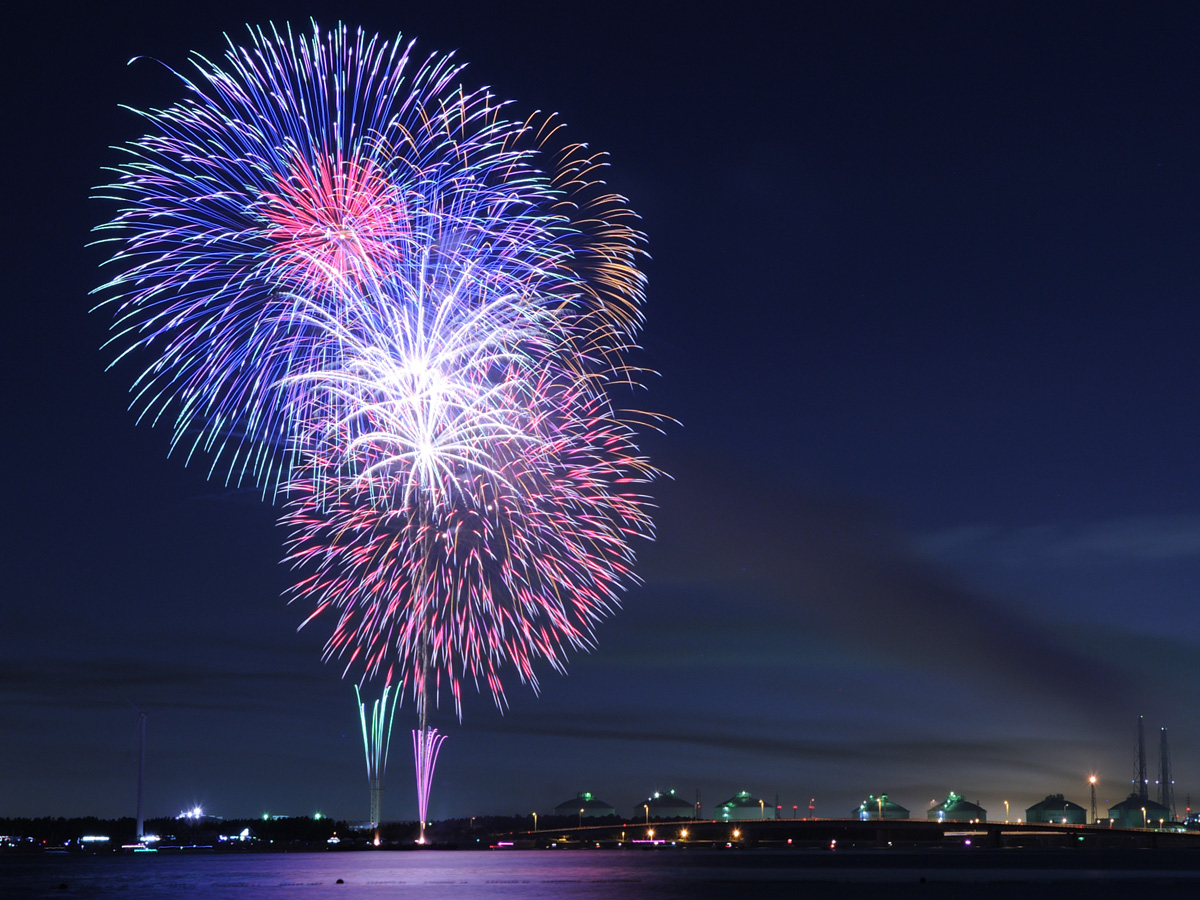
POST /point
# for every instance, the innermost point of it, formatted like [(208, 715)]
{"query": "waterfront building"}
[(666, 806), (1058, 810), (586, 806), (743, 806), (955, 809), (880, 808), (1136, 811)]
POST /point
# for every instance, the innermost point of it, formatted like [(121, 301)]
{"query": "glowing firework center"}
[(403, 313)]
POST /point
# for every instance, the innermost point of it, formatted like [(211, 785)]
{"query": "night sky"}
[(923, 301)]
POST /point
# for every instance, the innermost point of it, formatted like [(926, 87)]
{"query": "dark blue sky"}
[(922, 296)]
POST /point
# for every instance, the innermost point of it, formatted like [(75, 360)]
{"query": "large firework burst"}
[(351, 280), (472, 503), (287, 172)]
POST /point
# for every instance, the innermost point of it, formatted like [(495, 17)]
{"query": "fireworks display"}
[(377, 739), (403, 313), (426, 743), (281, 184)]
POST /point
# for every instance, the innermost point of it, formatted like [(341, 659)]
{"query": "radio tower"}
[(141, 733), (1166, 787), (141, 781), (1142, 790)]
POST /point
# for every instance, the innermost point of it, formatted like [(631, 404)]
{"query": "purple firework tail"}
[(426, 744)]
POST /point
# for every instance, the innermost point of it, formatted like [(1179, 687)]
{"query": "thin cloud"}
[(785, 561), (73, 684), (1132, 539), (730, 739)]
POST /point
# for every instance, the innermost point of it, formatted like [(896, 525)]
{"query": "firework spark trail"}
[(426, 744), (376, 741)]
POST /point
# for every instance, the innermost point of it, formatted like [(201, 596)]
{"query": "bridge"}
[(836, 834)]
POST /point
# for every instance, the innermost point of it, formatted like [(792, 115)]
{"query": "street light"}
[(535, 821), (646, 807), (1005, 812), (762, 810), (1092, 781), (581, 817)]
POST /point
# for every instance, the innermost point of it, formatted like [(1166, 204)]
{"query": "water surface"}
[(623, 874)]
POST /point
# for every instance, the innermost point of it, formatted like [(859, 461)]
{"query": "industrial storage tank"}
[(743, 806), (955, 809), (1136, 811), (880, 808), (586, 806), (666, 806), (1057, 809)]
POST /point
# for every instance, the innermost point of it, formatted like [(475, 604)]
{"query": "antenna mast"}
[(1143, 790), (1166, 787), (142, 769)]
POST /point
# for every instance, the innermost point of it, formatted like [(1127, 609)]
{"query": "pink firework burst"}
[(336, 220), (467, 520)]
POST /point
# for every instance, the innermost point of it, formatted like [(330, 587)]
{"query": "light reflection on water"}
[(577, 875), (314, 876)]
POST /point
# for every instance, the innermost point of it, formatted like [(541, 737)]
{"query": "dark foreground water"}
[(617, 874)]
